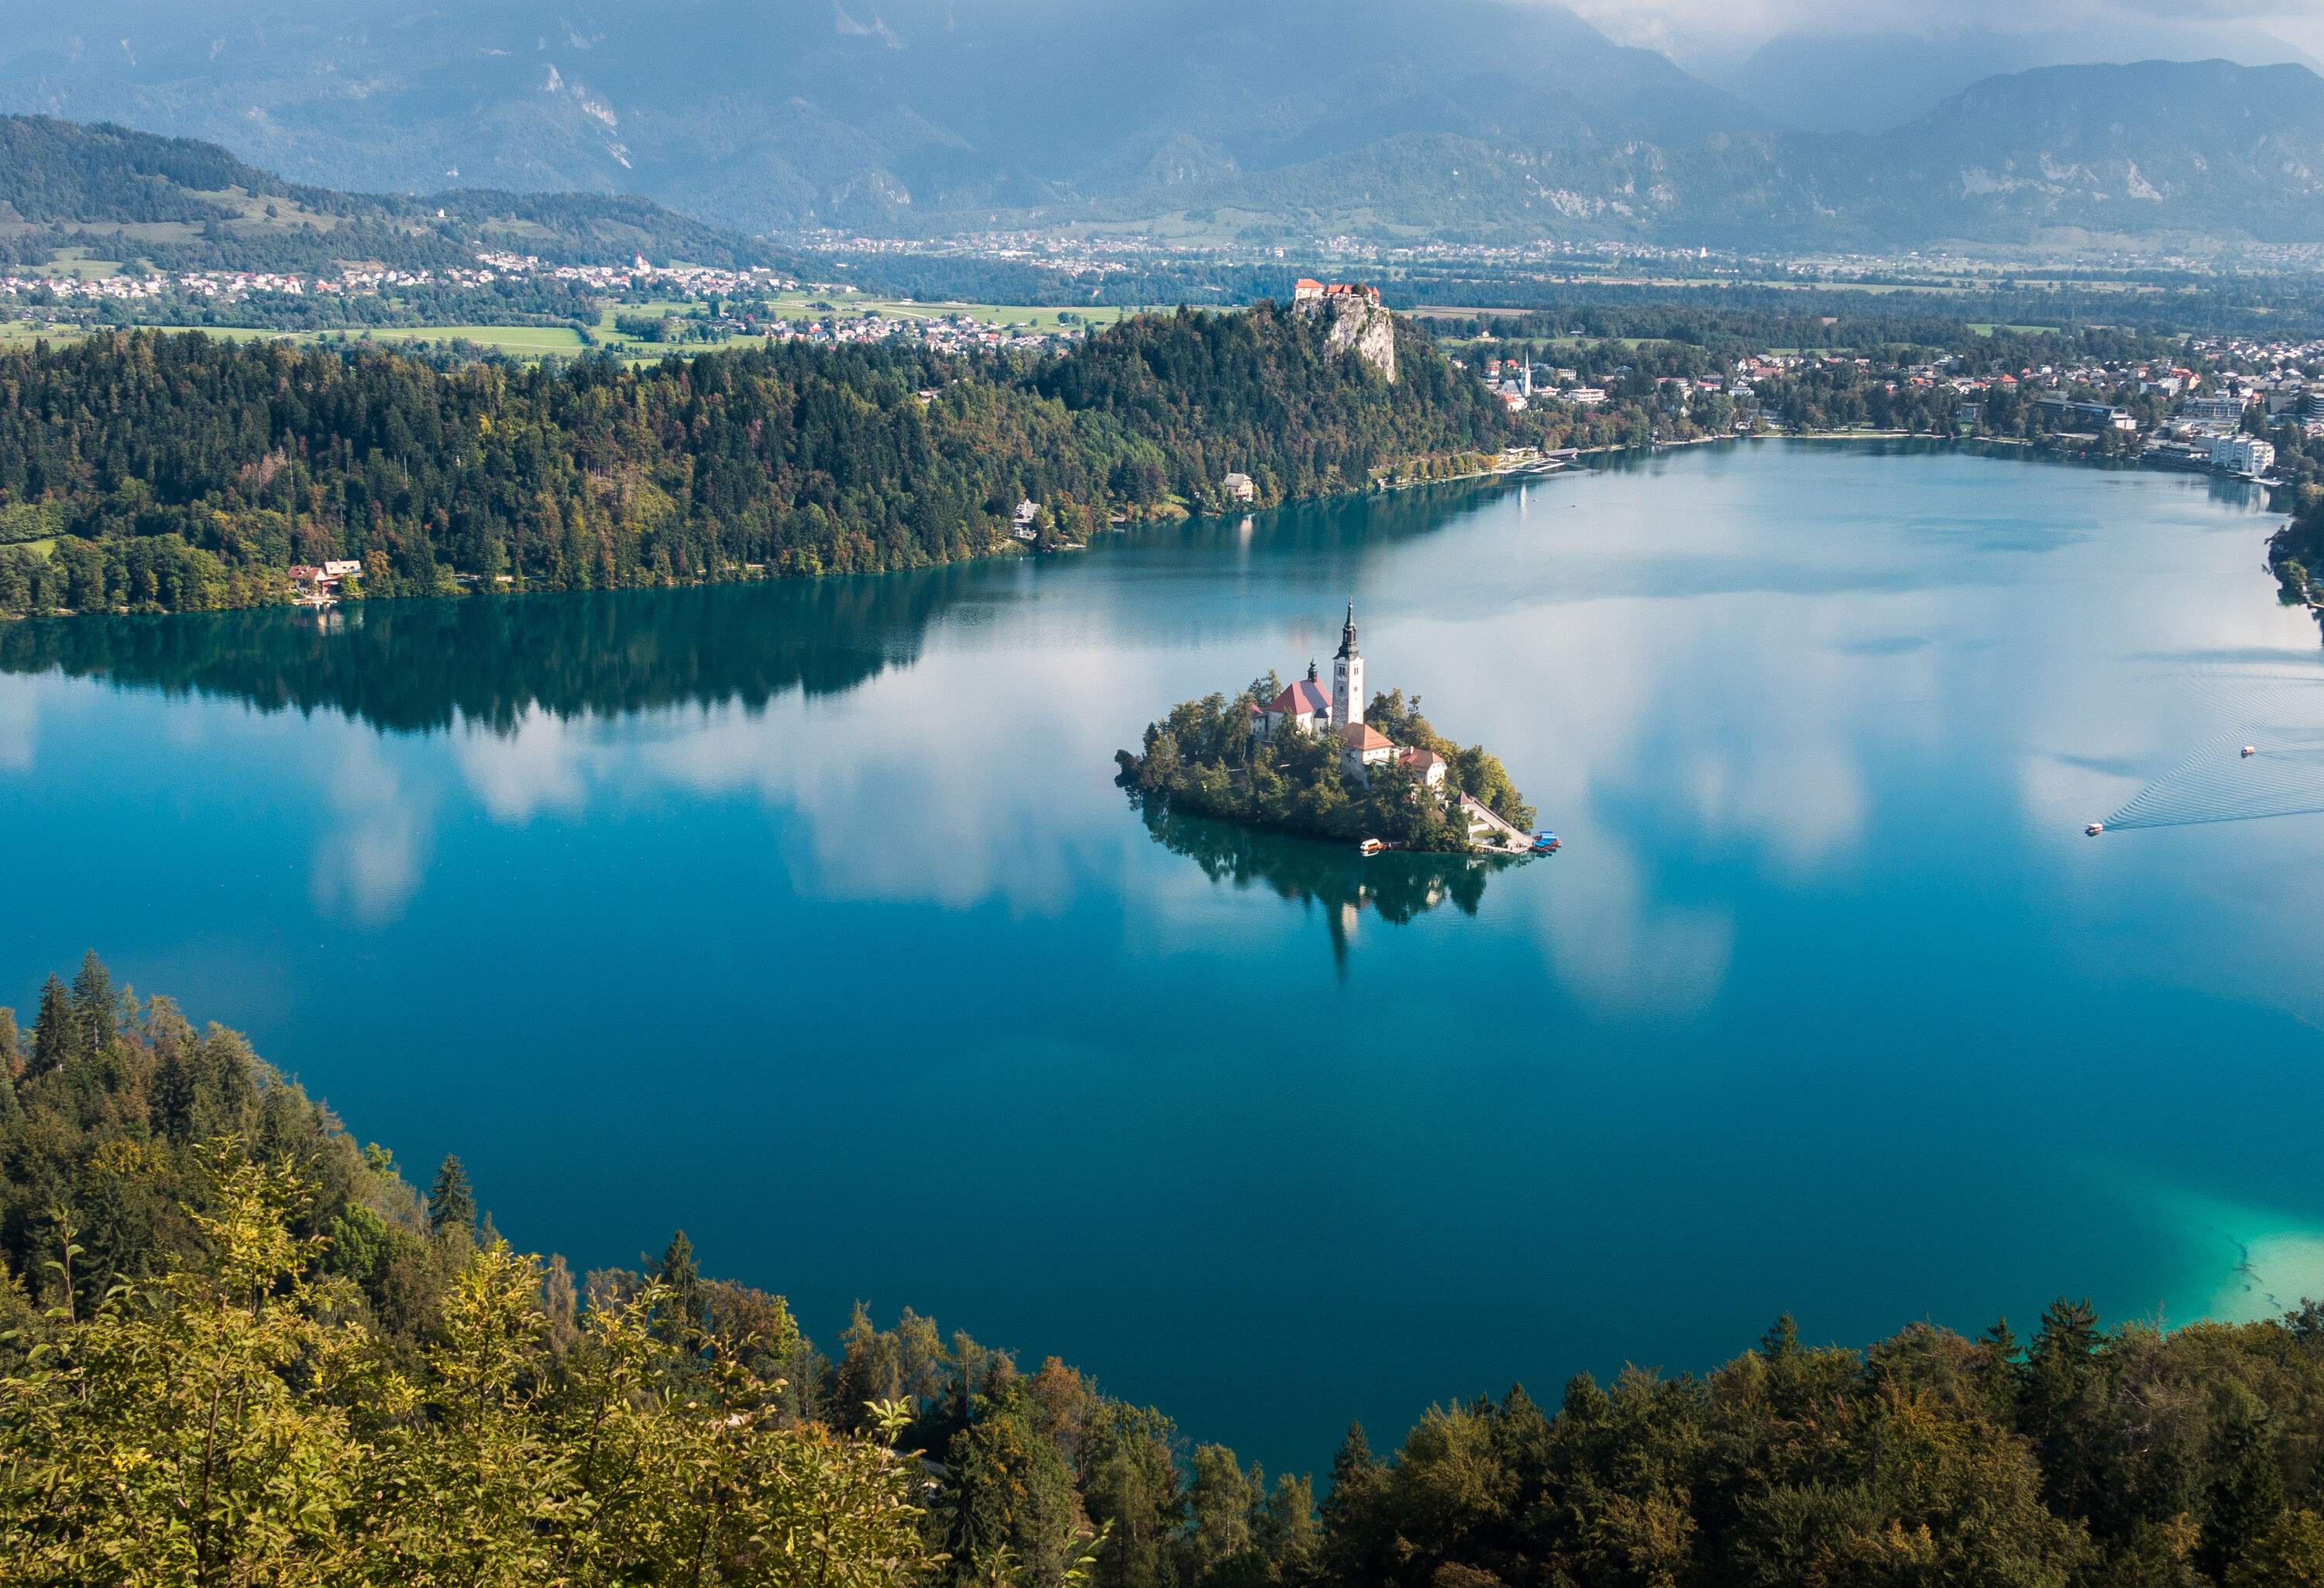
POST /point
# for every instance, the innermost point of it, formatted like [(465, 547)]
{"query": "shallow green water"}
[(808, 916)]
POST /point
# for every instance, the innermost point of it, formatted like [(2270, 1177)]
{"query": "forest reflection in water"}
[(1331, 877), (416, 666), (491, 661)]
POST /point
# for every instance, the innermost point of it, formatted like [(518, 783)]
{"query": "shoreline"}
[(1566, 464)]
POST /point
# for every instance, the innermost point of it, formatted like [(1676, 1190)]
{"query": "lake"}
[(808, 916)]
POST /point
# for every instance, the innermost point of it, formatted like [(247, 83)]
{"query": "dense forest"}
[(167, 473), (2296, 551), (1202, 758), (238, 1348)]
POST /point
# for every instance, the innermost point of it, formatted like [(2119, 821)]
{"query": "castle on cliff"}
[(1353, 318)]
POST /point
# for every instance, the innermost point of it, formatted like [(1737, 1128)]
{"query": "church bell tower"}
[(1348, 677)]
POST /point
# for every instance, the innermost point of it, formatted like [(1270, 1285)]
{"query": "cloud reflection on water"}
[(371, 855)]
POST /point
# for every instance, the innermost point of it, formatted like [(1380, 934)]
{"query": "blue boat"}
[(1544, 843)]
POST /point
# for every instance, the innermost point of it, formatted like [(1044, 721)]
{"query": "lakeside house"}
[(1240, 486), (318, 585)]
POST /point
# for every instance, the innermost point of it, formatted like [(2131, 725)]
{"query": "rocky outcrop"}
[(1358, 323)]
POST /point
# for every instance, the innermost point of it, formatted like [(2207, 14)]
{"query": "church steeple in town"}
[(1348, 677)]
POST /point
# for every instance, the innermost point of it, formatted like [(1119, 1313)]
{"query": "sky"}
[(1694, 31)]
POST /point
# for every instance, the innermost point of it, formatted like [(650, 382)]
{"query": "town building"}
[(2220, 408), (2062, 414), (2243, 455)]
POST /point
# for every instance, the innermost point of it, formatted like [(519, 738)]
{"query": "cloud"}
[(2113, 28)]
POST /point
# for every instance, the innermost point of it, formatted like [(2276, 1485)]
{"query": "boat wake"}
[(2266, 760)]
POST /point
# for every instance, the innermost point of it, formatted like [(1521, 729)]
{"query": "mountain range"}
[(1466, 120), (1869, 81)]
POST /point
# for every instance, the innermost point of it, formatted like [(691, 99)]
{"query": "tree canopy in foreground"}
[(236, 1349)]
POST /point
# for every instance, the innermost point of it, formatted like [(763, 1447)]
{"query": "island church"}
[(1305, 708)]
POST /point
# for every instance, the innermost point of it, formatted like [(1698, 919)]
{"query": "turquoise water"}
[(809, 917)]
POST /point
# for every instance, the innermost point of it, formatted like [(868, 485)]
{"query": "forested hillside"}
[(175, 473), (236, 1348), (182, 204)]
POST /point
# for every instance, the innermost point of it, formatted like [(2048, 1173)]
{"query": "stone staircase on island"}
[(1491, 832)]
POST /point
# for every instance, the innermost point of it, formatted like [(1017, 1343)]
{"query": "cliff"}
[(1359, 323)]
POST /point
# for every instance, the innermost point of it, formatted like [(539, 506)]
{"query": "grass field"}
[(521, 341), (517, 341), (844, 305), (563, 341)]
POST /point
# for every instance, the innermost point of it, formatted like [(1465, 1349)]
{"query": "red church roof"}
[(1302, 697)]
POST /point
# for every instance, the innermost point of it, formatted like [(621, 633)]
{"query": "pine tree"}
[(677, 1271), (56, 1036), (451, 1206), (1997, 1368), (94, 1006), (1352, 1511), (2246, 1498)]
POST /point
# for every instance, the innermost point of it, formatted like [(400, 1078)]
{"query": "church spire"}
[(1348, 677)]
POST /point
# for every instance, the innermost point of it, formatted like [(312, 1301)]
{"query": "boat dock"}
[(1489, 832)]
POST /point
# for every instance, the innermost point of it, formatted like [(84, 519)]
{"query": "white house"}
[(1241, 487), (1363, 747), (1425, 764)]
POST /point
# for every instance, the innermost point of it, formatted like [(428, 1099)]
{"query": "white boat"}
[(2249, 752), (2094, 829)]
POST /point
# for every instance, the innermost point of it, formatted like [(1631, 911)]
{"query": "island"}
[(1323, 764)]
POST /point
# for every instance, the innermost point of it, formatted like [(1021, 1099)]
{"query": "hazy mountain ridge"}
[(1870, 82), (1482, 121), (2205, 147)]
